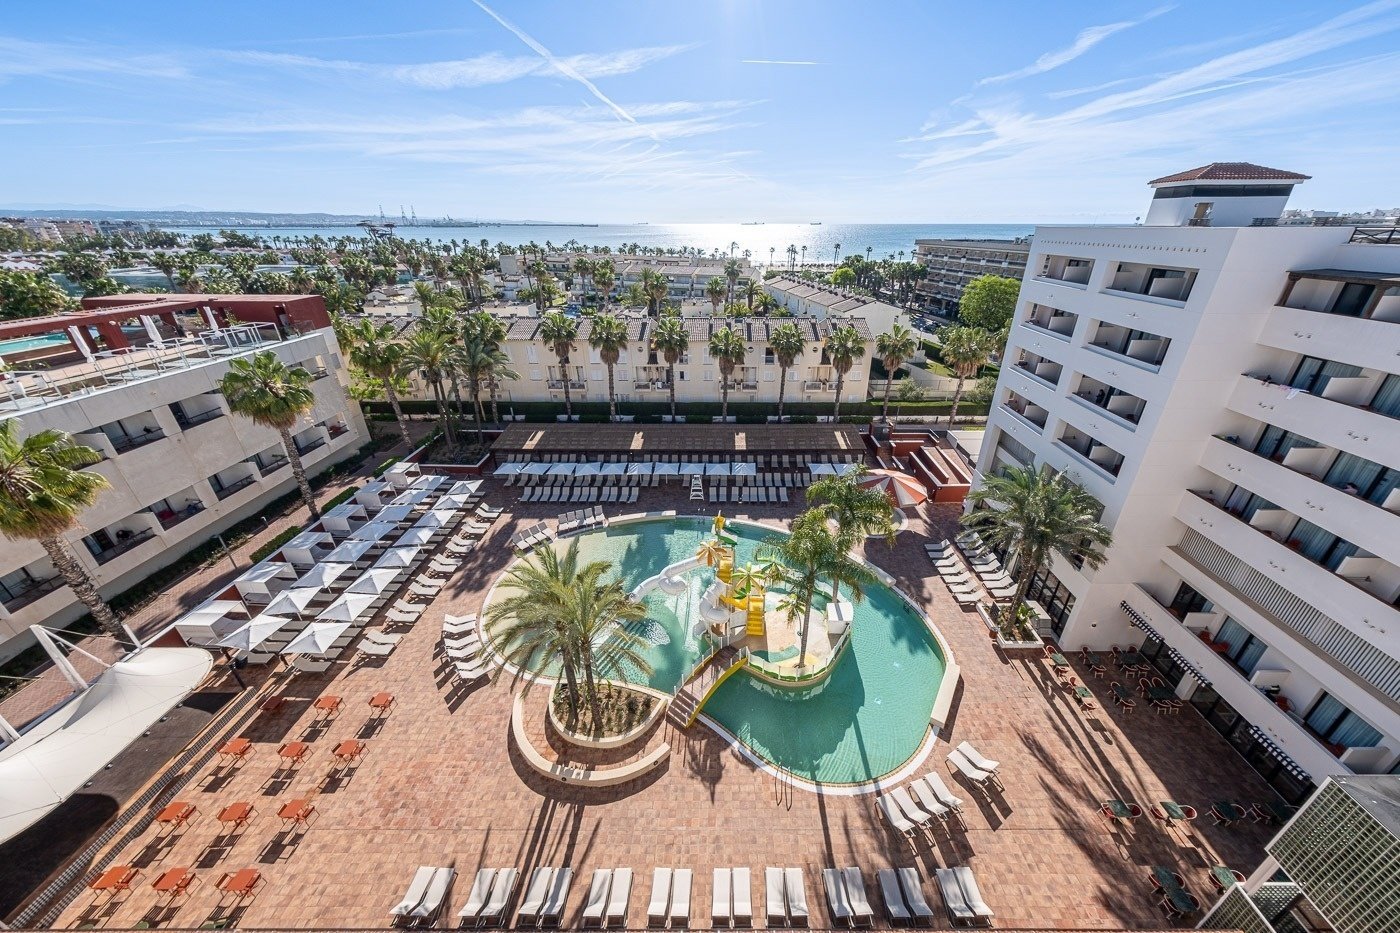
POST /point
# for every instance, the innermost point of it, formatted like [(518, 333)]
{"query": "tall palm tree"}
[(167, 265), (752, 289), (714, 290), (492, 333), (787, 344), (843, 347), (277, 396), (609, 337), (731, 275), (966, 350), (604, 277), (656, 287), (1033, 515), (476, 356), (671, 340), (583, 269), (895, 348), (856, 511), (43, 491), (559, 331), (727, 348), (375, 352), (430, 353)]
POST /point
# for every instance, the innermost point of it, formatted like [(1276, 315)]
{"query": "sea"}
[(764, 242)]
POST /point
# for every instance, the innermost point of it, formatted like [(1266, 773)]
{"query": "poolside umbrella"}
[(393, 513), (417, 536), (429, 481), (464, 487), (317, 638), (613, 469), (820, 469), (322, 575), (901, 489), (347, 608), (561, 469), (252, 633), (508, 469), (692, 469), (398, 556), (374, 581), (745, 469), (667, 469), (410, 497), (535, 468), (347, 552), (374, 531), (841, 469), (450, 503), (294, 601), (588, 468), (212, 612), (640, 469), (431, 520), (717, 469)]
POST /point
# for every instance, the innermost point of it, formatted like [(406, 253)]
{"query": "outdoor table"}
[(1279, 813), (1174, 811), (1123, 695), (236, 749), (176, 813), (349, 750), (236, 814), (1131, 659), (1058, 659), (381, 702), (293, 752), (240, 883), (117, 878), (174, 882), (1084, 695), (273, 704), (1223, 877), (1118, 810), (1227, 812), (328, 705), (1173, 893), (296, 811), (1161, 694), (1164, 877)]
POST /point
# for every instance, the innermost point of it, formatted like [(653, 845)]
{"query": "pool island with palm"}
[(854, 695)]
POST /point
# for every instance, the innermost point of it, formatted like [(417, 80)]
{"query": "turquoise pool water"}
[(864, 721), (20, 344)]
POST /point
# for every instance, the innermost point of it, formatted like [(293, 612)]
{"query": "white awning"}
[(667, 469), (745, 469), (53, 760), (374, 531), (415, 537), (820, 469), (410, 497), (374, 581), (256, 632), (347, 552), (692, 469), (508, 469), (640, 469), (588, 468), (717, 469), (316, 638), (464, 487), (398, 557), (429, 481), (348, 608), (614, 469), (535, 468), (561, 469), (293, 602)]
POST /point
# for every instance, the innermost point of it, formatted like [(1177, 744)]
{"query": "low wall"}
[(581, 777)]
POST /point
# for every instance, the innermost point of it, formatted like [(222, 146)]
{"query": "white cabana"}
[(307, 548), (692, 469), (640, 469), (613, 469), (464, 487), (347, 608), (293, 602), (820, 469), (535, 468), (745, 469), (374, 581), (398, 557), (210, 614), (667, 469), (410, 497), (263, 581), (347, 552), (54, 759), (508, 469), (416, 537), (401, 475), (317, 638), (393, 513), (344, 518), (374, 531), (371, 494), (254, 632), (321, 576), (588, 468), (716, 469), (561, 469)]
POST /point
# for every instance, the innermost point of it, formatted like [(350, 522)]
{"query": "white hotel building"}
[(1230, 391)]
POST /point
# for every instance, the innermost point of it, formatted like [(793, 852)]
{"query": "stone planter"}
[(658, 708), (1002, 642)]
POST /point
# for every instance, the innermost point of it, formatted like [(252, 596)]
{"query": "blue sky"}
[(703, 111)]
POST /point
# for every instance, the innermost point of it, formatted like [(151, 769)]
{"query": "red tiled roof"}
[(1231, 171)]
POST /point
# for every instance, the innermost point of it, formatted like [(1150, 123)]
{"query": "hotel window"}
[(1387, 398), (1320, 545), (1313, 374), (532, 353), (1057, 601), (1358, 476), (1331, 721), (1275, 443), (1245, 650), (768, 358)]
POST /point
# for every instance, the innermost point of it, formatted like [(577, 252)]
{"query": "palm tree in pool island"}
[(843, 347), (1030, 515), (895, 348), (277, 396), (609, 337), (559, 331), (43, 491), (787, 344), (671, 340), (727, 349)]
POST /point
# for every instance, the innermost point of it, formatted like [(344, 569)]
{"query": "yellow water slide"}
[(755, 621)]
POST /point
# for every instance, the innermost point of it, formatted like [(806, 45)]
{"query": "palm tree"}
[(836, 254), (731, 274), (43, 491), (671, 340), (752, 289), (166, 264), (277, 396), (856, 511), (375, 352), (488, 328), (430, 354), (583, 268), (609, 337), (604, 277), (559, 331), (727, 348), (965, 350), (656, 287), (787, 344), (714, 290), (895, 348), (843, 347), (1032, 515)]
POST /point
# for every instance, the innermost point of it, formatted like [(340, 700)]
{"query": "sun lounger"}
[(501, 891), (862, 914), (480, 893), (914, 896), (470, 670), (971, 771), (660, 897), (597, 904), (890, 893), (977, 758), (427, 910), (895, 816), (417, 888), (934, 780), (680, 899), (721, 913), (953, 899), (972, 894), (458, 629), (743, 896), (795, 890), (928, 800), (836, 900), (618, 897), (900, 795), (375, 649), (775, 900), (422, 587), (535, 894)]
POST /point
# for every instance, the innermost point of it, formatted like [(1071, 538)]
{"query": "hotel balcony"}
[(1091, 451), (575, 385), (1045, 371), (1051, 321), (1026, 411), (1334, 418), (1066, 270), (1160, 284), (1132, 346), (1096, 395), (35, 590)]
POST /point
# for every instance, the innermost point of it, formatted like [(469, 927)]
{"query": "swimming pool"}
[(20, 344), (868, 718)]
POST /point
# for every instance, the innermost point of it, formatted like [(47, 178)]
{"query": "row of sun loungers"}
[(461, 643), (904, 897), (973, 766), (490, 896), (424, 898), (670, 898), (581, 520), (846, 898), (542, 480), (581, 494), (962, 897), (773, 461), (731, 901), (608, 897), (535, 534), (935, 803), (964, 585), (758, 494), (545, 897), (786, 897)]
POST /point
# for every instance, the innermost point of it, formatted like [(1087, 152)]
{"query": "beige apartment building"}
[(952, 264)]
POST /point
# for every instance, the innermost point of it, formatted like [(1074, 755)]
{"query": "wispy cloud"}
[(1086, 40), (22, 58), (1093, 88), (774, 61)]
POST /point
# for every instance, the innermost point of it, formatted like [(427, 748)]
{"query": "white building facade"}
[(1231, 395)]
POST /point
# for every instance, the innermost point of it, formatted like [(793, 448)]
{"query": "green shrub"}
[(269, 548), (383, 467)]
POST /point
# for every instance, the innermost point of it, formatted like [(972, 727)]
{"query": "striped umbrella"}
[(902, 489)]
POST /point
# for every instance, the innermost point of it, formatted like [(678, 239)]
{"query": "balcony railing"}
[(36, 591), (335, 430), (649, 385), (818, 386), (573, 384), (232, 488), (1383, 236), (135, 539), (309, 446), (169, 518), (273, 466), (132, 441), (188, 421)]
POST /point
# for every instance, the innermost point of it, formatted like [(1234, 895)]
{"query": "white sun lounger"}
[(395, 614), (775, 900), (414, 895), (969, 770), (934, 780), (795, 890), (680, 898), (502, 889), (977, 758), (743, 896), (720, 910), (972, 894), (929, 800), (660, 896), (375, 649), (914, 896), (480, 893), (836, 901), (427, 911), (900, 796), (450, 619), (597, 904), (553, 910), (895, 816), (953, 899), (895, 908), (862, 914), (619, 896)]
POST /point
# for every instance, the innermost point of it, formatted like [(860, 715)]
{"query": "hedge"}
[(701, 412), (271, 547)]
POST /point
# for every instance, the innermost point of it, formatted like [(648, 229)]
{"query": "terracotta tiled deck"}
[(439, 784)]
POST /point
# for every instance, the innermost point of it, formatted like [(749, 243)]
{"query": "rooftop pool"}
[(867, 719)]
